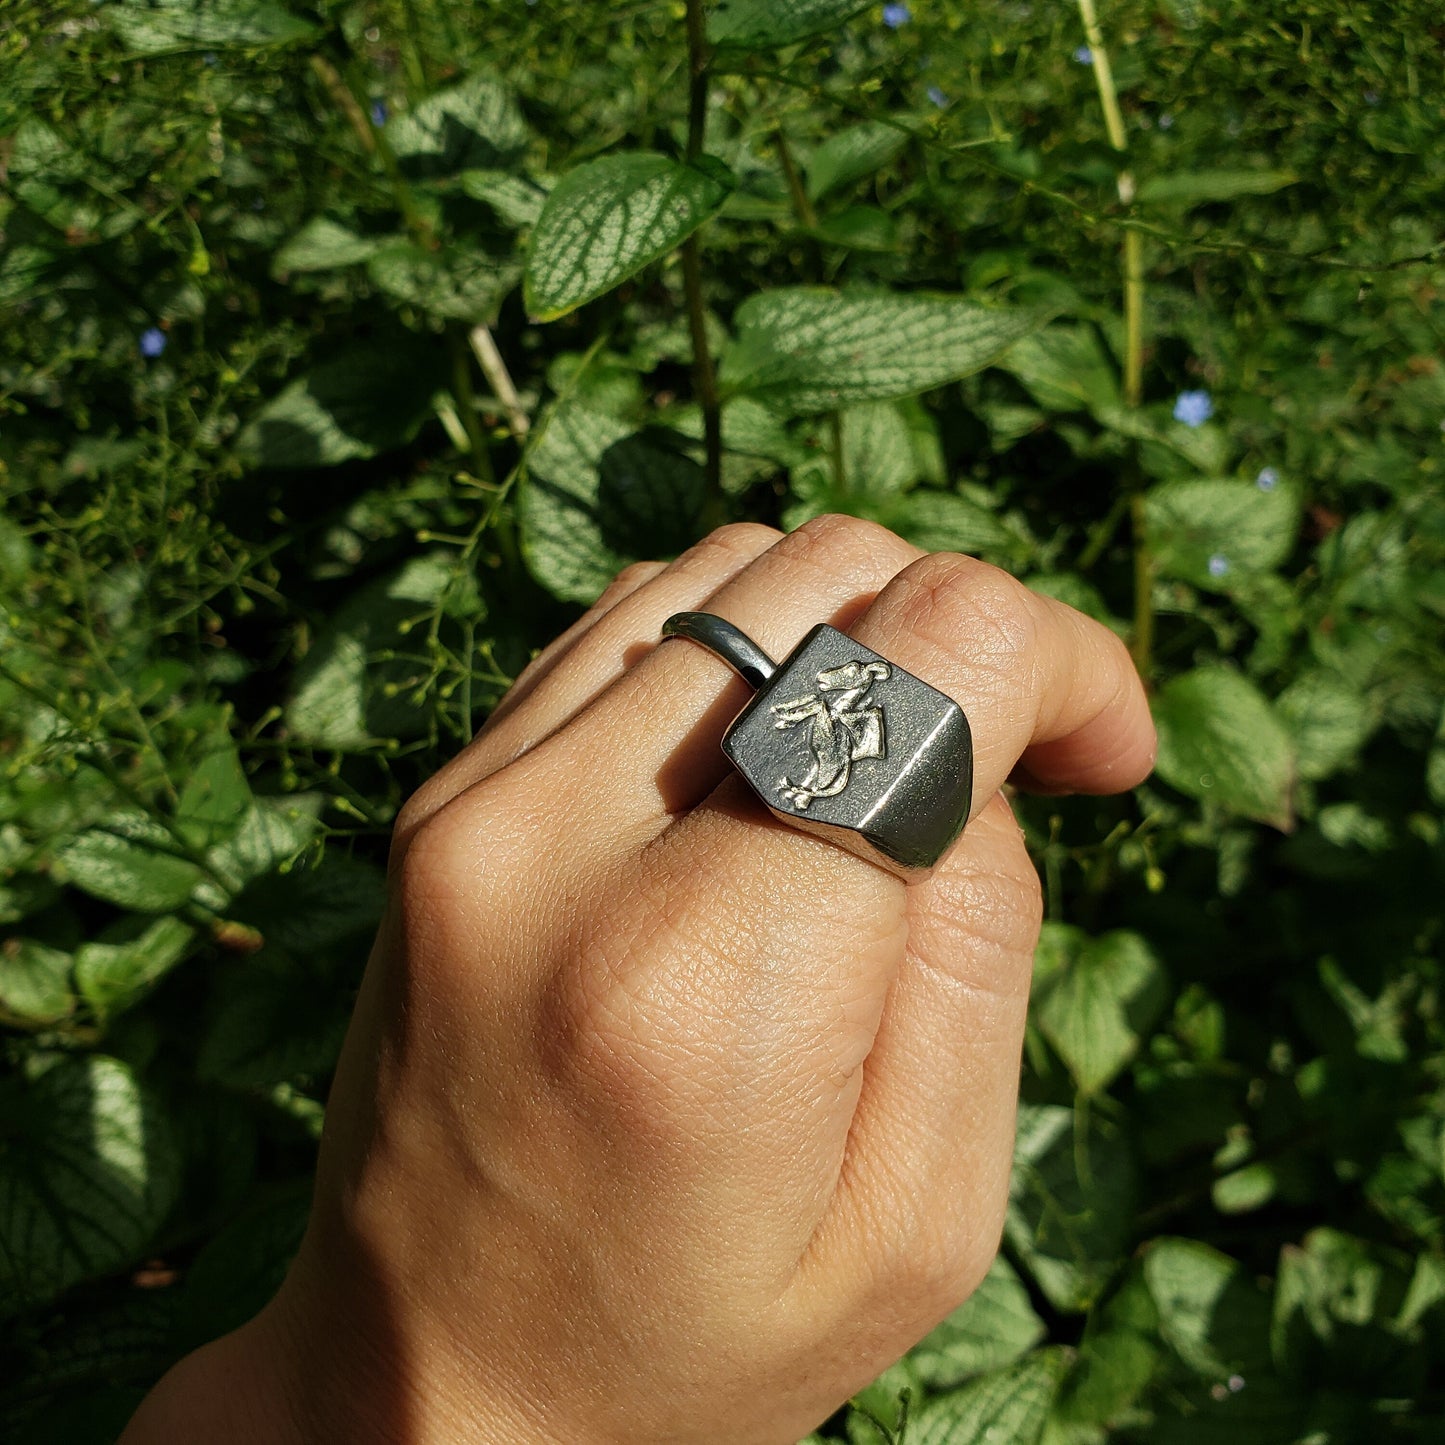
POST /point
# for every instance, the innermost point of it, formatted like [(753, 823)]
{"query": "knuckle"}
[(743, 540), (948, 600), (836, 535), (630, 577), (938, 1250)]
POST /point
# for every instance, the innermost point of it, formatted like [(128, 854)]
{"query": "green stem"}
[(802, 206), (703, 374), (1133, 318), (698, 57), (1142, 643), (1102, 533), (465, 397)]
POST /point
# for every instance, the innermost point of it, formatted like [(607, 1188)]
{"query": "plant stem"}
[(698, 56), (703, 375), (1142, 642), (802, 206), (494, 368), (466, 399), (1143, 637)]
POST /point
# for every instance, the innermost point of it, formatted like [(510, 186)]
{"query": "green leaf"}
[(608, 219), (1210, 532), (155, 27), (881, 1401), (993, 1328), (765, 24), (859, 228), (34, 982), (348, 689), (272, 833), (370, 400), (129, 861), (323, 245), (1070, 1203), (1220, 740), (305, 910), (216, 794), (459, 283), (275, 1019), (1064, 368), (1329, 720), (809, 349), (517, 199), (1337, 1301), (1008, 1405), (949, 522), (242, 1266), (1194, 188), (599, 495), (1211, 1311), (852, 154), (88, 1171), (1119, 1355), (1098, 1000), (474, 126), (118, 970)]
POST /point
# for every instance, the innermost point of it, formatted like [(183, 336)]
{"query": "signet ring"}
[(845, 744)]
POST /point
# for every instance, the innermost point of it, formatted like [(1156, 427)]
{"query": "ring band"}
[(843, 743)]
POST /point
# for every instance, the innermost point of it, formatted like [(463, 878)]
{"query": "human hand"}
[(660, 1120)]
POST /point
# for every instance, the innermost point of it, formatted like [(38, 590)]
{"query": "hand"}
[(660, 1120)]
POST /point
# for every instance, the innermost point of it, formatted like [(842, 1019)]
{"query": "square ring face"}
[(842, 742)]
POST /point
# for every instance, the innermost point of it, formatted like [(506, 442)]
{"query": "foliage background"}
[(294, 485)]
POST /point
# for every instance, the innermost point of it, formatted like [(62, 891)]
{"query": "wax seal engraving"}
[(841, 730)]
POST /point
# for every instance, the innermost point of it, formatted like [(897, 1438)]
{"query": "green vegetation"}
[(349, 344)]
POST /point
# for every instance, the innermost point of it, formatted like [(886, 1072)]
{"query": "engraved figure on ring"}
[(840, 729)]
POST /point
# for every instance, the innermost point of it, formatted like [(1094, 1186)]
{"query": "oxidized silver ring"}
[(845, 744)]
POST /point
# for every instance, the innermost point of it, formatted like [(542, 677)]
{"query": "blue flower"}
[(1218, 565), (896, 15), (937, 96), (1166, 121), (1193, 408), (1084, 55), (378, 112), (209, 58), (152, 341), (1267, 480)]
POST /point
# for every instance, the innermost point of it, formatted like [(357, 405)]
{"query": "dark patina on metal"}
[(845, 744)]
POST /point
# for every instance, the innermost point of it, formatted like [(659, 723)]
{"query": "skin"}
[(660, 1120)]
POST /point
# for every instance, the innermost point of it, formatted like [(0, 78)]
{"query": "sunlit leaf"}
[(323, 245), (1097, 999), (154, 27), (1220, 740), (116, 970), (34, 982), (1010, 1405), (475, 125), (811, 349), (600, 495), (1210, 532), (88, 1170), (130, 861), (991, 1329), (608, 219)]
